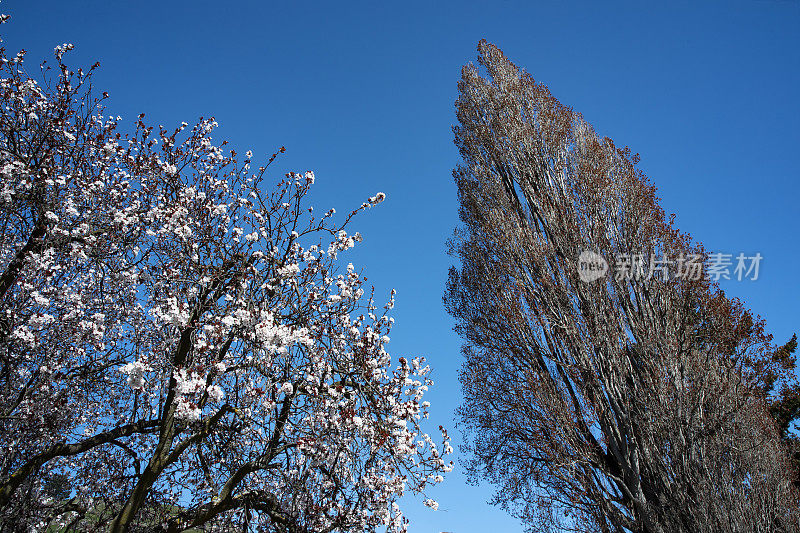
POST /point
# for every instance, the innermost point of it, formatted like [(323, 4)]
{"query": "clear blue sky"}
[(362, 93)]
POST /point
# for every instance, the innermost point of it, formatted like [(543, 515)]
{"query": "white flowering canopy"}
[(179, 347)]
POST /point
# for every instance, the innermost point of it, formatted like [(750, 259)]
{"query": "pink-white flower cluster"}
[(179, 335)]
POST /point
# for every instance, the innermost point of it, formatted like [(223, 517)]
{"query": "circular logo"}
[(591, 266)]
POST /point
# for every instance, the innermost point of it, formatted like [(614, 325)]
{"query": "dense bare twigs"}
[(629, 403)]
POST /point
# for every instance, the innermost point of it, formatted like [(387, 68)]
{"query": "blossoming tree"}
[(178, 347)]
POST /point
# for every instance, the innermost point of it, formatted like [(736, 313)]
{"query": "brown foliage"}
[(630, 404)]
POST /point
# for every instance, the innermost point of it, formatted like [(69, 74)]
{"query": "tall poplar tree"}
[(608, 386)]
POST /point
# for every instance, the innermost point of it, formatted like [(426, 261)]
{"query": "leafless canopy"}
[(629, 403)]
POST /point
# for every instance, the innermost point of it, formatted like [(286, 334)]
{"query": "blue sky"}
[(363, 93)]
